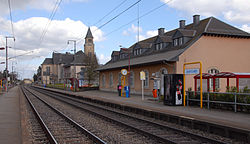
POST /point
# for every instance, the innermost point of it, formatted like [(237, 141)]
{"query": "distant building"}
[(60, 68), (27, 81), (219, 46)]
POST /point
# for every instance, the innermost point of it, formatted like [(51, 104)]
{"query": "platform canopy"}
[(226, 75)]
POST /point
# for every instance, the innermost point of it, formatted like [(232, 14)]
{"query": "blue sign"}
[(192, 71)]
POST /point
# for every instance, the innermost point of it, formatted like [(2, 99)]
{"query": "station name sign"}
[(192, 71)]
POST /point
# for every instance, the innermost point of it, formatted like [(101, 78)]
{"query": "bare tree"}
[(90, 71)]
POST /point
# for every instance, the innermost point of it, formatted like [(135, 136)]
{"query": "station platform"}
[(10, 123), (218, 117)]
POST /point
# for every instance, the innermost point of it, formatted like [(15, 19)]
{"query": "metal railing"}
[(234, 99)]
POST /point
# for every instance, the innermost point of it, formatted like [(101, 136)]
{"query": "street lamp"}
[(126, 49), (7, 60), (74, 41)]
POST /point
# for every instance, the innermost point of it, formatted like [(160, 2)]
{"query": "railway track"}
[(58, 127), (155, 130)]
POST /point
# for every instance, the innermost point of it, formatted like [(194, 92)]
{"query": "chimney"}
[(161, 31), (196, 19), (182, 24)]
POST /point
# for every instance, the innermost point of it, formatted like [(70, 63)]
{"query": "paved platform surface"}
[(221, 117), (10, 129)]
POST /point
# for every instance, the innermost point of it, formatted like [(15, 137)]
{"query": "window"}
[(103, 80), (137, 51), (110, 80), (180, 41), (47, 71), (146, 81), (131, 79), (119, 78), (157, 46), (82, 72), (89, 40), (217, 80), (175, 42), (161, 46)]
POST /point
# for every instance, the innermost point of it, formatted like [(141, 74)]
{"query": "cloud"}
[(28, 33), (26, 4), (141, 37), (125, 33), (232, 10), (132, 30), (246, 28), (103, 59), (148, 34), (237, 17), (151, 33), (31, 4)]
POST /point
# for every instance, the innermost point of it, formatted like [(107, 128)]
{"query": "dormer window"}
[(123, 55), (175, 42), (114, 58), (180, 41), (137, 52), (159, 46)]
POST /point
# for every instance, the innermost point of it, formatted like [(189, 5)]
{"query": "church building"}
[(63, 67)]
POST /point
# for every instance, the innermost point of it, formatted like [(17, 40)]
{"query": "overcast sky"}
[(73, 17)]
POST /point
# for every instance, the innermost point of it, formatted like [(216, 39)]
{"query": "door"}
[(162, 72)]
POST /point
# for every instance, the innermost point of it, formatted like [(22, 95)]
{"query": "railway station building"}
[(219, 46)]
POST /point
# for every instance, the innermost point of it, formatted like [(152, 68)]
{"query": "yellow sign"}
[(142, 75)]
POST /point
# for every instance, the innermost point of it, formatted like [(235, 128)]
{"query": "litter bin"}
[(119, 89), (154, 91), (126, 88)]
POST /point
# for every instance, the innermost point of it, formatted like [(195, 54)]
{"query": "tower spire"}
[(89, 34), (89, 44)]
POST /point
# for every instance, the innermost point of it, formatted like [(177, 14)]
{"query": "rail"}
[(89, 134), (50, 137), (233, 99)]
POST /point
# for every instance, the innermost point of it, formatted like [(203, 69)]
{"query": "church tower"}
[(89, 44)]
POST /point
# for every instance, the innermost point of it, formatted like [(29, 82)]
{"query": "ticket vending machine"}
[(173, 89)]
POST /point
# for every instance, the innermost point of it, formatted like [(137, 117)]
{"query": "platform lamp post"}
[(2, 48), (7, 60), (126, 49), (74, 75)]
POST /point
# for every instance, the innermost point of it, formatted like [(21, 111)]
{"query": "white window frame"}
[(161, 46), (111, 83), (132, 79), (146, 81), (119, 78), (180, 41), (103, 80), (175, 42), (217, 80)]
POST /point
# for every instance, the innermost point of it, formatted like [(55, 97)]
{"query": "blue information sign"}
[(192, 71)]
